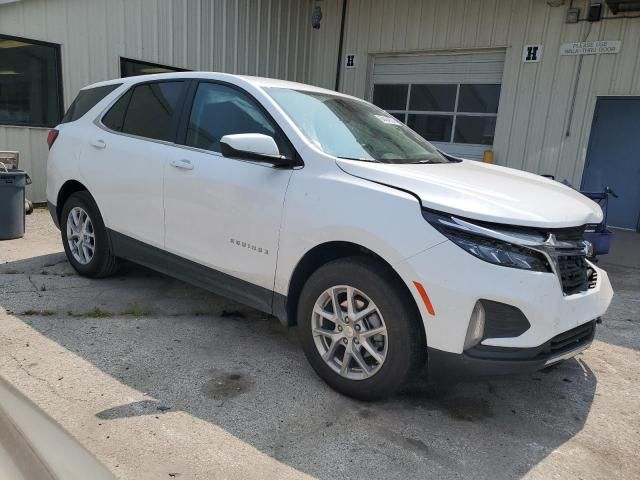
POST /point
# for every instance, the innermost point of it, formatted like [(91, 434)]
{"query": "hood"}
[(485, 192)]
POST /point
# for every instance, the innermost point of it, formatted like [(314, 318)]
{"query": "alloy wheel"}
[(81, 235), (349, 332)]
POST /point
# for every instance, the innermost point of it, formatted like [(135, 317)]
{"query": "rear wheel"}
[(85, 238), (358, 328)]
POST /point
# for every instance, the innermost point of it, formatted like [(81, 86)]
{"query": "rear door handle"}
[(100, 144), (182, 164)]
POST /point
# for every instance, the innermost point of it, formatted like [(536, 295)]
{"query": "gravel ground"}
[(163, 380)]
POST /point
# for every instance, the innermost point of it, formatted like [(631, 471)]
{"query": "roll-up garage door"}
[(450, 99)]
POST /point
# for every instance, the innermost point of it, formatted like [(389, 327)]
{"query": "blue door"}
[(613, 158)]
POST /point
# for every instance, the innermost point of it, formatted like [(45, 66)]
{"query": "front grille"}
[(573, 270), (573, 274), (558, 345), (572, 338)]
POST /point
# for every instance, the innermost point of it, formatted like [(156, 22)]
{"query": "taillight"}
[(53, 134)]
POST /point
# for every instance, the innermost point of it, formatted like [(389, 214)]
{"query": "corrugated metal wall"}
[(536, 98), (254, 37), (274, 38)]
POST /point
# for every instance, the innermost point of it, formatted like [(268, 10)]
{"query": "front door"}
[(613, 158), (225, 213)]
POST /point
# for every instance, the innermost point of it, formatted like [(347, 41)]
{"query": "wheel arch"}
[(322, 254), (67, 189)]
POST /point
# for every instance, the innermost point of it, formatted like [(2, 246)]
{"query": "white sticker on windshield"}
[(388, 120)]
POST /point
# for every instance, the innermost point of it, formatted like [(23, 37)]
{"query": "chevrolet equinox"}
[(332, 215)]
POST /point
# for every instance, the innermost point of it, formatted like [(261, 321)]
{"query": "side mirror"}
[(252, 146)]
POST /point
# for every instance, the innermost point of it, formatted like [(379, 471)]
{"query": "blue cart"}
[(598, 233)]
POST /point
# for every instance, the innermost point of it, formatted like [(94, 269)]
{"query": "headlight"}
[(489, 249)]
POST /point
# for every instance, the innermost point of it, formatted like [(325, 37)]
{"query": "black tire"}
[(103, 262), (406, 350)]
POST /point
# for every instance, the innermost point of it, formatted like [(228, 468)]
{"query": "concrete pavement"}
[(164, 380)]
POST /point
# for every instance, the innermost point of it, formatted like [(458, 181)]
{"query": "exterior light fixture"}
[(573, 15), (316, 17)]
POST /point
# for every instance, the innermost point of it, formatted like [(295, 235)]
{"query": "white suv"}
[(332, 215)]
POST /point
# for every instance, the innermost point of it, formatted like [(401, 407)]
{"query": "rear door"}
[(225, 213), (126, 158)]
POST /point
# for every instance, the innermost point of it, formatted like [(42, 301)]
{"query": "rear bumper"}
[(484, 361)]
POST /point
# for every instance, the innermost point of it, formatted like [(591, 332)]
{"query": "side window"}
[(86, 100), (148, 110), (151, 110), (219, 110), (115, 116)]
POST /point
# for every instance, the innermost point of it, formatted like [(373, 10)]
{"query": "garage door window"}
[(447, 113)]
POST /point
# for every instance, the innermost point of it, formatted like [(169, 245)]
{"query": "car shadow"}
[(621, 324), (241, 370)]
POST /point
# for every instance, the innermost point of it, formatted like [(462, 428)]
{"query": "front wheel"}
[(359, 328)]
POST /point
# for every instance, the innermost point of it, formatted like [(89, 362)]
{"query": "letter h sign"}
[(531, 53)]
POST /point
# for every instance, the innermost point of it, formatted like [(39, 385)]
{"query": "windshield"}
[(354, 129)]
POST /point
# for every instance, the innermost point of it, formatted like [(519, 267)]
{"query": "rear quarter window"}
[(86, 100), (114, 118)]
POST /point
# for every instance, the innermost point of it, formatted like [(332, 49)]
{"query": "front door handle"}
[(99, 144), (182, 164)]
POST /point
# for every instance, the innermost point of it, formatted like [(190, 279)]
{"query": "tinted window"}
[(435, 98), (219, 110), (115, 116), (479, 98), (129, 68), (86, 100), (478, 130), (436, 128), (152, 108), (434, 109), (30, 83), (390, 97)]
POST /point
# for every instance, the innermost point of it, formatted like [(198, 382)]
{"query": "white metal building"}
[(505, 76)]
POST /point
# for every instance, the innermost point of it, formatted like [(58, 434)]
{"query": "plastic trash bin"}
[(12, 197)]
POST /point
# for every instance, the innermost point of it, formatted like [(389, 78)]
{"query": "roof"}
[(260, 82)]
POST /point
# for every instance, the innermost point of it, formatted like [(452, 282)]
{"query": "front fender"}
[(333, 206)]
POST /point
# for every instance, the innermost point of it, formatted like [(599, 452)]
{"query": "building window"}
[(130, 68), (447, 113), (30, 82)]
